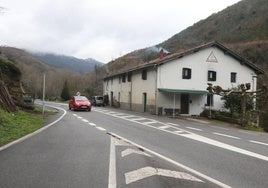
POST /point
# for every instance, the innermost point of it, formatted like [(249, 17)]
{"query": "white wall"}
[(170, 74), (170, 77)]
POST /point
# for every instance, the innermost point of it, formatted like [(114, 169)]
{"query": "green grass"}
[(252, 128), (14, 126)]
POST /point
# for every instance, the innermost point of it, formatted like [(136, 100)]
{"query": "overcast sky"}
[(99, 29)]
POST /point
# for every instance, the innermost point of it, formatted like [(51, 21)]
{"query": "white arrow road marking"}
[(146, 172), (120, 143), (133, 151), (173, 162)]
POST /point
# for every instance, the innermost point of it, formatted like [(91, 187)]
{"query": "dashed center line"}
[(85, 120), (225, 135), (101, 129), (257, 142)]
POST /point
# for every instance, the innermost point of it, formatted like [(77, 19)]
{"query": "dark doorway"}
[(185, 103), (112, 98), (144, 101)]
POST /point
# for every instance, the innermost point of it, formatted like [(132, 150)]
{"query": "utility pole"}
[(44, 90)]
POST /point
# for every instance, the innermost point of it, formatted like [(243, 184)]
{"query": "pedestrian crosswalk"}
[(168, 127)]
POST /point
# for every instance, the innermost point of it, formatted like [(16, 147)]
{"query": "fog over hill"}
[(69, 62)]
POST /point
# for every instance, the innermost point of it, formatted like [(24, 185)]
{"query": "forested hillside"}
[(32, 72), (68, 62), (242, 27)]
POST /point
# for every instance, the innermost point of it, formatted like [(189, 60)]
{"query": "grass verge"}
[(14, 126)]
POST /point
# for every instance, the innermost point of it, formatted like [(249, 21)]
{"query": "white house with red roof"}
[(177, 83)]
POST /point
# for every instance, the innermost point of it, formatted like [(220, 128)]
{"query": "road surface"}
[(115, 148)]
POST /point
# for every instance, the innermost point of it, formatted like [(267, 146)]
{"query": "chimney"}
[(161, 53)]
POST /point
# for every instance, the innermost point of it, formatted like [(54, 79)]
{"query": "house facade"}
[(177, 83)]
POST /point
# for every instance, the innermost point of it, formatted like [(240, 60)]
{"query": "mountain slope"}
[(242, 27), (68, 62)]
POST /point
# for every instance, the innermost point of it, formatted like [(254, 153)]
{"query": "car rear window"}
[(99, 98), (81, 98)]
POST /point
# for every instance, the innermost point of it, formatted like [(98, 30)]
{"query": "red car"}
[(79, 103)]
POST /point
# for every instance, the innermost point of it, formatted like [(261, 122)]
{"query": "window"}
[(233, 77), (124, 78), (129, 77), (210, 100), (144, 74), (186, 73), (212, 75)]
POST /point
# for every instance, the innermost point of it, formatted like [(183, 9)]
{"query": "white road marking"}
[(127, 116), (206, 140), (120, 114), (133, 151), (146, 172), (138, 119), (224, 146), (92, 124), (173, 124), (100, 128), (178, 132), (225, 135), (149, 122), (120, 143), (85, 120), (164, 127), (257, 142), (196, 129), (174, 162), (112, 165)]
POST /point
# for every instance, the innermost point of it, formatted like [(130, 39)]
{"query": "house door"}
[(144, 101), (112, 98), (130, 100), (185, 103)]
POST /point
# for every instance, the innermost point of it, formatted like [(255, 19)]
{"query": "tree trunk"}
[(6, 100)]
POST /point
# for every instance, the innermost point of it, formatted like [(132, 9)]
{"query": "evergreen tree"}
[(65, 94)]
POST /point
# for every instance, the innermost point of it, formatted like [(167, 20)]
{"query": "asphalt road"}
[(114, 148)]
